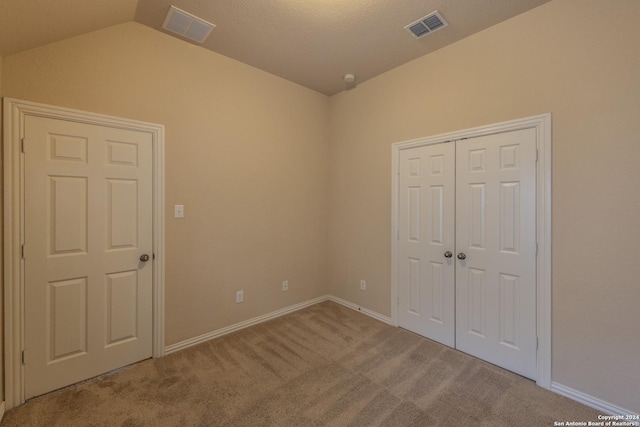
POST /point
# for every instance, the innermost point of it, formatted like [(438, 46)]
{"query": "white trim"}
[(238, 326), (542, 124), (269, 316), (2, 410), (14, 114), (370, 313), (588, 400)]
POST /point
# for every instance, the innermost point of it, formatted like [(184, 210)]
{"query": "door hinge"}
[(537, 342), (537, 154), (397, 234), (23, 360), (22, 145), (536, 248), (22, 251)]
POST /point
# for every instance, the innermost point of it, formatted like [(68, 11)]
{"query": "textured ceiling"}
[(310, 42)]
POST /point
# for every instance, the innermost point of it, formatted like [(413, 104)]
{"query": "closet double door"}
[(466, 252)]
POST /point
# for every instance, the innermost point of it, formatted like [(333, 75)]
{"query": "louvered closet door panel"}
[(426, 232), (495, 229)]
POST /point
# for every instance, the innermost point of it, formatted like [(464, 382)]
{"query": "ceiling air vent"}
[(187, 25), (423, 26)]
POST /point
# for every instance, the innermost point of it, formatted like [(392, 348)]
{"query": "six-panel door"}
[(88, 219), (496, 230), (426, 216)]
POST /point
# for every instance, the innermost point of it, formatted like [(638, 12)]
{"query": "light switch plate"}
[(178, 211)]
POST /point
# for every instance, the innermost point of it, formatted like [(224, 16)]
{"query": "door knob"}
[(461, 255), (448, 254), (144, 257)]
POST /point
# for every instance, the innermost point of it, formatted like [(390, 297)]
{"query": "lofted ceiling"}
[(309, 42)]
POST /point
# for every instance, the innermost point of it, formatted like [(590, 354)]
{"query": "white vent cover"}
[(423, 26), (187, 25)]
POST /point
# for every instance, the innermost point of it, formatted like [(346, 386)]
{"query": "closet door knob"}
[(448, 254), (461, 255)]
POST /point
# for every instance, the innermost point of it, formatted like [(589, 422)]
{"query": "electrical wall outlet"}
[(239, 297), (363, 285), (285, 285)]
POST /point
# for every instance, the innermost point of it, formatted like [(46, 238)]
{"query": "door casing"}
[(13, 228), (542, 125)]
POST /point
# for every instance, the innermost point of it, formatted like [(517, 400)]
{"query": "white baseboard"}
[(370, 313), (232, 328), (588, 400)]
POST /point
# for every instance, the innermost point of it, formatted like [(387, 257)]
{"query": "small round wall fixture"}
[(349, 78)]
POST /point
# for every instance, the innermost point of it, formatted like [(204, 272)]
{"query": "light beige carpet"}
[(326, 365)]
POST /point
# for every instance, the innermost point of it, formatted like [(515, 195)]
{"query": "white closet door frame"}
[(14, 116), (542, 125)]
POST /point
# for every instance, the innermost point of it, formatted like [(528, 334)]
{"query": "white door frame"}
[(542, 125), (13, 228)]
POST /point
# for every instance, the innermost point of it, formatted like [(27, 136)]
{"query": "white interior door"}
[(88, 220), (426, 233), (474, 199), (496, 234)]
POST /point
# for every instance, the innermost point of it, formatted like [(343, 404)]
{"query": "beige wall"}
[(246, 153), (557, 58)]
